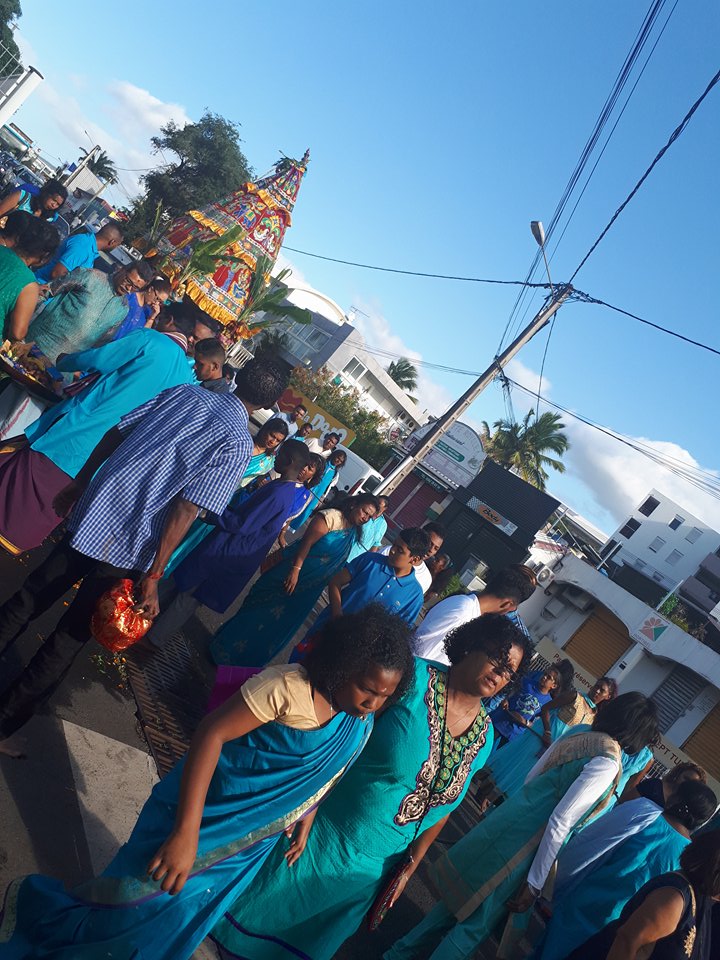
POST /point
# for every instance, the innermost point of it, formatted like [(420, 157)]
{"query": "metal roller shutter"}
[(675, 694), (599, 642), (703, 745)]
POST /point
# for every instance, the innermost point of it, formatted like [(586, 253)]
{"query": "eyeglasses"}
[(505, 673)]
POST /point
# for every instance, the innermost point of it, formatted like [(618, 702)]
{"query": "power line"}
[(416, 273), (703, 480), (673, 137)]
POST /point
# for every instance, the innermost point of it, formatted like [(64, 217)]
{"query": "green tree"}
[(10, 13), (525, 447), (103, 167), (404, 372), (210, 165), (270, 343), (344, 404)]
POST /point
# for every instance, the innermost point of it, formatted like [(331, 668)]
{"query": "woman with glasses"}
[(379, 822)]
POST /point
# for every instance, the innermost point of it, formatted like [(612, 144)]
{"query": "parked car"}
[(357, 476)]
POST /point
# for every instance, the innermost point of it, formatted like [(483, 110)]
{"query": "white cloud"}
[(130, 116), (517, 371), (375, 328)]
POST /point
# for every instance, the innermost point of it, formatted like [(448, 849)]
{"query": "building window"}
[(639, 564), (658, 577), (647, 508), (608, 548), (693, 534), (674, 556), (657, 545), (630, 528), (676, 522), (354, 369)]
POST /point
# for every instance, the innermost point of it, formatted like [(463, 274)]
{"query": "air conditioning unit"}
[(578, 598), (553, 608), (545, 577)]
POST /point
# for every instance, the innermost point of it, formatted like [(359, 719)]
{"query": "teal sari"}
[(362, 831), (603, 890), (484, 869), (269, 618), (263, 783)]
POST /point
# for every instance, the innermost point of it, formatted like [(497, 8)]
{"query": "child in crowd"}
[(375, 578), (217, 571)]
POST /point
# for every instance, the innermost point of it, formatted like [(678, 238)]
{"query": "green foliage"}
[(10, 12), (344, 404), (455, 585), (270, 343), (210, 166), (404, 372), (103, 167), (524, 447)]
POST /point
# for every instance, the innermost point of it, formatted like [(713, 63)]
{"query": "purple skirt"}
[(29, 483)]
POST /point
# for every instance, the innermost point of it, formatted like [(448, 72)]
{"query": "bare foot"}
[(13, 747)]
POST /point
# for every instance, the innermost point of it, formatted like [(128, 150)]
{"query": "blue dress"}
[(269, 618), (263, 783)]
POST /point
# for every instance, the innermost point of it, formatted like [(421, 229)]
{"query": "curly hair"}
[(516, 583), (631, 719), (349, 646), (611, 685), (700, 862), (566, 675), (494, 635), (359, 500), (261, 382), (416, 539), (33, 237)]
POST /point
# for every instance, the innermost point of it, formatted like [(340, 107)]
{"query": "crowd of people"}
[(340, 741)]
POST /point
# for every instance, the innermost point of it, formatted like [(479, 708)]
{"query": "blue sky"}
[(437, 132)]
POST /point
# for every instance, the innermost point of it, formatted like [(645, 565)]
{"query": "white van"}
[(357, 476)]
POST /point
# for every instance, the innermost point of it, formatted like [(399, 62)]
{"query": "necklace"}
[(473, 707)]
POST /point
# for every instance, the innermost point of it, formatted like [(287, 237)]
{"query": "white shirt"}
[(314, 446), (428, 641), (290, 421), (595, 778)]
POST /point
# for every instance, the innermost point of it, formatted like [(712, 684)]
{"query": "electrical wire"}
[(677, 132), (415, 273)]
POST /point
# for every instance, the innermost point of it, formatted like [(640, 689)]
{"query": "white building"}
[(662, 541), (332, 341), (582, 614)]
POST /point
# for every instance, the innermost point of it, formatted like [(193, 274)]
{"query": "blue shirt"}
[(186, 441), (527, 703), (131, 373), (371, 535), (80, 250), (374, 581)]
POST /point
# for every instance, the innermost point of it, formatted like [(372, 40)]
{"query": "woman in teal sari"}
[(511, 765), (503, 863), (257, 766), (283, 597), (384, 816), (599, 894), (268, 439), (322, 486)]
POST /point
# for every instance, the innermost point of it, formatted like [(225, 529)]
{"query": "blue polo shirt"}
[(374, 581), (80, 250)]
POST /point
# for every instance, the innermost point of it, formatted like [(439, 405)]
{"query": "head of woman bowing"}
[(486, 654), (359, 509), (631, 719), (603, 690), (362, 660), (312, 474), (271, 435)]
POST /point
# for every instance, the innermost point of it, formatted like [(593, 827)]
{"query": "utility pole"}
[(81, 166), (441, 426)]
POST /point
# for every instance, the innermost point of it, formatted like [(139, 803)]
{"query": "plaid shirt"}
[(185, 442)]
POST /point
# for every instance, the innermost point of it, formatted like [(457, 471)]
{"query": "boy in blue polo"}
[(375, 578)]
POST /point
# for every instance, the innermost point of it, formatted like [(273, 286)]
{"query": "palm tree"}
[(524, 447), (103, 167), (404, 373)]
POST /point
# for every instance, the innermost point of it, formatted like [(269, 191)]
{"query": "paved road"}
[(66, 808)]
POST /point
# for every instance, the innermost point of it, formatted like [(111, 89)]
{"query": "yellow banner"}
[(666, 753), (321, 421)]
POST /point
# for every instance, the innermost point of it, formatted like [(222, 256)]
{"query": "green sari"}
[(361, 832)]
